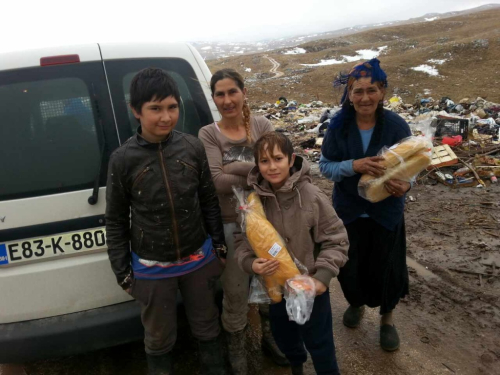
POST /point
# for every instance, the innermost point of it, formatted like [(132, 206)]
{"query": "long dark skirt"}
[(376, 273)]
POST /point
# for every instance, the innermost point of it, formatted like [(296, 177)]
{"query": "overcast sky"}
[(31, 24)]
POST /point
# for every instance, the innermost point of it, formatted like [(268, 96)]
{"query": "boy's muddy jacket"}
[(304, 217), (161, 202)]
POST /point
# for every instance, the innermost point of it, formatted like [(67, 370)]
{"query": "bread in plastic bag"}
[(403, 161), (266, 243), (300, 292)]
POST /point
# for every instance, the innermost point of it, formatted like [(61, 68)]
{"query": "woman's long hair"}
[(238, 79)]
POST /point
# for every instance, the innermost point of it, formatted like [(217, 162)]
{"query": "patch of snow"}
[(438, 62), (363, 54), (207, 47), (431, 19), (248, 70), (295, 51), (326, 62), (240, 52), (432, 71)]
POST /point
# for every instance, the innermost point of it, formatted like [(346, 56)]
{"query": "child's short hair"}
[(268, 141), (152, 84)]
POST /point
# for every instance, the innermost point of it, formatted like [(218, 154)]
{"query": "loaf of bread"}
[(267, 244), (402, 161), (403, 150)]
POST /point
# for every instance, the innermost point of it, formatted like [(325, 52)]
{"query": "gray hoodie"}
[(305, 219)]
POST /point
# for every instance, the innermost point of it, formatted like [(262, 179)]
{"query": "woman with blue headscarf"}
[(376, 274)]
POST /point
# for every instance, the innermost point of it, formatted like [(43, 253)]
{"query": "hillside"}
[(464, 52)]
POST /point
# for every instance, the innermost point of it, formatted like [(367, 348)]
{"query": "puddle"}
[(421, 270)]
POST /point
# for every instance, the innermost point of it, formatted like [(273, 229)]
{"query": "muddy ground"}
[(450, 323)]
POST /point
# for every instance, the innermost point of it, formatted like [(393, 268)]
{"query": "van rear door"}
[(122, 62), (56, 134)]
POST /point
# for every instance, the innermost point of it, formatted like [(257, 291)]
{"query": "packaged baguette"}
[(403, 161), (266, 243)]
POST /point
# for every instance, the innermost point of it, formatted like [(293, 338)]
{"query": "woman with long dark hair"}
[(229, 146)]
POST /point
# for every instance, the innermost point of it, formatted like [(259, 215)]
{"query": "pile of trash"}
[(482, 118), (305, 124), (466, 149)]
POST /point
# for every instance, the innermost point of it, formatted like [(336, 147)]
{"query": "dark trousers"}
[(158, 299), (316, 335)]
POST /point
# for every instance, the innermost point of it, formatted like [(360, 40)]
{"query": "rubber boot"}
[(160, 364), (298, 370), (269, 346), (236, 352), (211, 359)]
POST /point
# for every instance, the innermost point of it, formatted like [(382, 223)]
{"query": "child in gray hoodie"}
[(314, 235)]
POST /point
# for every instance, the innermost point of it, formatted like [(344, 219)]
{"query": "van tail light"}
[(59, 60)]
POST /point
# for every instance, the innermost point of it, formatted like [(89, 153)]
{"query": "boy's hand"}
[(265, 267), (129, 290), (320, 287)]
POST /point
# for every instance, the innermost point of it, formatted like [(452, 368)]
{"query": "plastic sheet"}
[(300, 292), (266, 243)]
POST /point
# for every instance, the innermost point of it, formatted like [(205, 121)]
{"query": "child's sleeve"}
[(118, 223), (329, 232), (209, 202)]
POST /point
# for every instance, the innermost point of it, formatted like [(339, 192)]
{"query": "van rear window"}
[(51, 135), (194, 109)]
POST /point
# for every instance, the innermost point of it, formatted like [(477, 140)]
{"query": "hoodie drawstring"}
[(298, 193)]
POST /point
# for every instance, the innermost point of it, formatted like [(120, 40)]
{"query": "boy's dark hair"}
[(268, 141), (152, 84)]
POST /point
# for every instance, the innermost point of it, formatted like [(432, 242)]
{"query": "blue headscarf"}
[(366, 69)]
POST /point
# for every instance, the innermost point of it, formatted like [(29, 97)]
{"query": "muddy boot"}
[(212, 362), (236, 352), (269, 346), (352, 316), (298, 370), (160, 364)]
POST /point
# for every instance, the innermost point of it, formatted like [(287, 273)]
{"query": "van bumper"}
[(71, 333)]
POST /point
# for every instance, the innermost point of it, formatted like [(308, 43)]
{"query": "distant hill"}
[(451, 56), (214, 50)]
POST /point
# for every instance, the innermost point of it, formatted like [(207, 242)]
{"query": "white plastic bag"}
[(300, 292), (258, 292)]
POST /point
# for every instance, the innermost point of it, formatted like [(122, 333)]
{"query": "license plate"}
[(22, 251)]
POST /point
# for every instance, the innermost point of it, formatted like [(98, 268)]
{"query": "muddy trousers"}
[(236, 285), (158, 300), (316, 335)]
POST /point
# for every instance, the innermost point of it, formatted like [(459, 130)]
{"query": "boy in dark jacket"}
[(163, 225), (314, 235)]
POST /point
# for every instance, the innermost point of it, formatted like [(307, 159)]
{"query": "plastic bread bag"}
[(403, 161), (300, 292), (258, 292), (265, 242)]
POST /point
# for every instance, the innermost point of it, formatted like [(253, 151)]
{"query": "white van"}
[(62, 112)]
